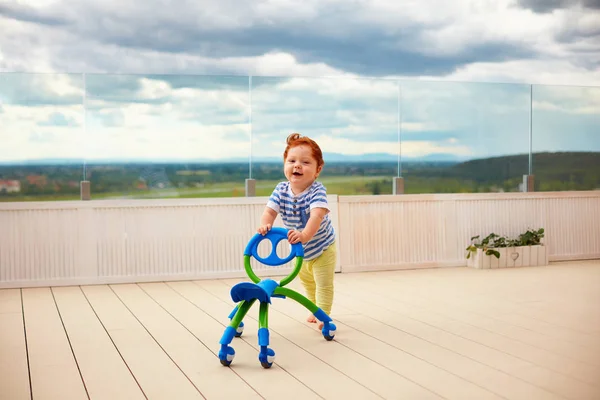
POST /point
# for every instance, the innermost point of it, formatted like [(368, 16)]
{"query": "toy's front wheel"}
[(266, 357), (328, 331), (239, 330), (226, 355)]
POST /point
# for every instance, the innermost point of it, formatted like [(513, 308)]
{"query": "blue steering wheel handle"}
[(275, 235)]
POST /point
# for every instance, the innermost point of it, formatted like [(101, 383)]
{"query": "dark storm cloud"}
[(336, 36), (368, 51), (29, 14), (546, 6)]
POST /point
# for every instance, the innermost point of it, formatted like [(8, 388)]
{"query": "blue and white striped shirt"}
[(295, 212)]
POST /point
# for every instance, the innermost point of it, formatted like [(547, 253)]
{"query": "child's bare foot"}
[(311, 318), (321, 324)]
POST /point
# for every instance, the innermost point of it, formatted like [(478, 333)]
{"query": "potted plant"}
[(495, 251)]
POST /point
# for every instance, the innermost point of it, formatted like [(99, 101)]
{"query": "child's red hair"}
[(295, 139)]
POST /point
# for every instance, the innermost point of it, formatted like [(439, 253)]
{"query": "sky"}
[(225, 79)]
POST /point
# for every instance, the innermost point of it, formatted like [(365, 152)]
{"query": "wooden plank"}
[(179, 299), (497, 381), (533, 289), (14, 371), (397, 293), (54, 371), (192, 356), (158, 376), (322, 377), (420, 333), (501, 297), (445, 382), (361, 369), (439, 313), (105, 373), (467, 340)]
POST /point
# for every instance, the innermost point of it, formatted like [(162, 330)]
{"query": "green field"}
[(335, 185)]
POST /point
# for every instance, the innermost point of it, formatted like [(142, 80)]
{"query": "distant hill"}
[(582, 169), (498, 167)]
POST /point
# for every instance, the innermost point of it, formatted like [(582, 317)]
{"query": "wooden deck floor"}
[(458, 333)]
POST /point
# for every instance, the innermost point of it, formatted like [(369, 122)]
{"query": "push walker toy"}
[(246, 293)]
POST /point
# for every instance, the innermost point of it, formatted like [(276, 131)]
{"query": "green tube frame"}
[(263, 316), (292, 294), (241, 312)]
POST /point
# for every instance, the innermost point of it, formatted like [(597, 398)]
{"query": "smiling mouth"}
[(296, 174)]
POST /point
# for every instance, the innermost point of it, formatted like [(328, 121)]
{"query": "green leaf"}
[(493, 253)]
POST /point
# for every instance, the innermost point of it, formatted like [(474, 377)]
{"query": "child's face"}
[(300, 167)]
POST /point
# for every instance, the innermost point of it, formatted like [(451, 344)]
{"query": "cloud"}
[(41, 89), (154, 118), (566, 118), (547, 6), (58, 119), (550, 71), (161, 97), (158, 118), (184, 82), (24, 136), (360, 110), (47, 137), (154, 143), (30, 14), (294, 38), (576, 101), (478, 120), (412, 149)]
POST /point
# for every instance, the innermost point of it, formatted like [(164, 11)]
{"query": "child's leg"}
[(324, 271), (308, 281)]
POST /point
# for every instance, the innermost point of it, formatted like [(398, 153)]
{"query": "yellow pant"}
[(316, 276)]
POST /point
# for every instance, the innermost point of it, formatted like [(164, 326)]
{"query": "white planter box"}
[(522, 256)]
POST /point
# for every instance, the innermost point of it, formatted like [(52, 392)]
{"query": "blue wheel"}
[(239, 330), (226, 355), (328, 331), (266, 357)]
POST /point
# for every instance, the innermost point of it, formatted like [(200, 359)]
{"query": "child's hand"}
[(263, 229), (296, 236)]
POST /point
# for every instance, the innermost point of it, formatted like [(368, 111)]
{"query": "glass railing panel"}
[(354, 121), (167, 136), (464, 137), (41, 131), (566, 138)]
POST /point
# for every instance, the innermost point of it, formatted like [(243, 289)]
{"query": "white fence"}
[(411, 231), (67, 243)]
